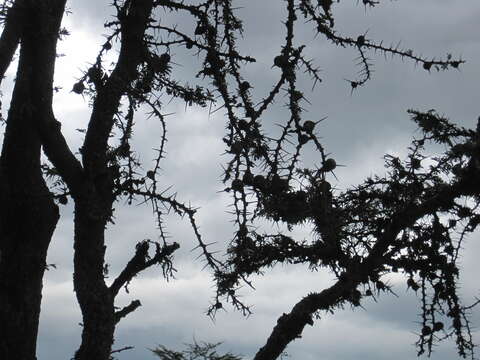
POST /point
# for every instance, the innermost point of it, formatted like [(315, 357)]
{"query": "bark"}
[(94, 297), (93, 202), (91, 187), (28, 214), (10, 36), (290, 326), (133, 26)]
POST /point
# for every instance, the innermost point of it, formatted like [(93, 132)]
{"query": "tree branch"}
[(290, 326), (133, 22), (10, 36), (43, 54), (60, 155), (141, 261), (119, 315), (122, 349)]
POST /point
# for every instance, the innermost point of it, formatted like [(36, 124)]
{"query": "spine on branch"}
[(93, 207)]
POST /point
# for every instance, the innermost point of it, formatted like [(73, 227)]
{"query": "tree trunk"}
[(93, 204), (28, 218), (28, 214), (94, 297)]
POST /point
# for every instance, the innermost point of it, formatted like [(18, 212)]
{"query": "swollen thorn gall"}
[(438, 326), (308, 126), (243, 124), (237, 185), (244, 86), (329, 165), (426, 330), (360, 40), (427, 65), (151, 174), (281, 61), (78, 87)]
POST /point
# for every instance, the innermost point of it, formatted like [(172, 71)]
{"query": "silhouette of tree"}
[(411, 221), (203, 351)]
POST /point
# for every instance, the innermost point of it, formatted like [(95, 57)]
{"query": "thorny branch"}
[(406, 221), (142, 260), (120, 314)]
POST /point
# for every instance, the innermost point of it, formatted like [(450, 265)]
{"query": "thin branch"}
[(141, 261), (119, 315)]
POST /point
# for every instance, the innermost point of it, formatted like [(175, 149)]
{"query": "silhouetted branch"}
[(58, 152), (10, 36), (119, 315), (132, 24), (290, 326), (141, 261)]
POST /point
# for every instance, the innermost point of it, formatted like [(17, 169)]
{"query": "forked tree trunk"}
[(28, 214), (28, 217), (93, 203)]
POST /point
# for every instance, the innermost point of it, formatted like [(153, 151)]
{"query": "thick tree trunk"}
[(10, 36), (28, 217), (28, 214), (94, 297)]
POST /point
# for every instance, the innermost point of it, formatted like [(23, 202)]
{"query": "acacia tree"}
[(407, 221)]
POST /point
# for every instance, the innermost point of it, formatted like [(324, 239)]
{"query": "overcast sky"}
[(360, 128)]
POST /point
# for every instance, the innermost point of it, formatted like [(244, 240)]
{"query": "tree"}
[(204, 351), (403, 222), (28, 214)]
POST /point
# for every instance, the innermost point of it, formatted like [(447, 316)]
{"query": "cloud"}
[(360, 128)]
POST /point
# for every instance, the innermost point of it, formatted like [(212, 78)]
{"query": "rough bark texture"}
[(94, 297), (93, 203), (10, 36), (28, 215)]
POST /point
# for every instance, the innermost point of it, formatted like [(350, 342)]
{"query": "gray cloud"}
[(359, 129)]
